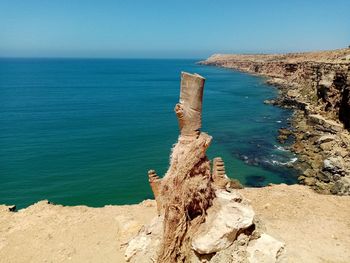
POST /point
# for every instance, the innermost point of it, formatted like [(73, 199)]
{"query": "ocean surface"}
[(86, 131)]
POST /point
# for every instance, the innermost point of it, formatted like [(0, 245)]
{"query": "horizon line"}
[(53, 57)]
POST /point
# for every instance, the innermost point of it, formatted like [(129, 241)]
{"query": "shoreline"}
[(315, 85)]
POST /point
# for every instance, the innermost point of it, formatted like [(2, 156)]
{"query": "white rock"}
[(224, 196), (224, 219), (137, 245), (265, 249), (144, 246), (334, 164)]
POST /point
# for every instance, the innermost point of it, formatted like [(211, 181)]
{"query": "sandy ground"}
[(53, 233), (315, 228)]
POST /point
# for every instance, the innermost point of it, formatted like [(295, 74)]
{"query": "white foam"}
[(275, 162), (280, 148)]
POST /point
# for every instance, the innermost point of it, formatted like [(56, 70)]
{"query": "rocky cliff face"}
[(317, 86)]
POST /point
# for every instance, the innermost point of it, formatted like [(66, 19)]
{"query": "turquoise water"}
[(87, 131)]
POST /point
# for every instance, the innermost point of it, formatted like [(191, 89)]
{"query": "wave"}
[(290, 162), (281, 148)]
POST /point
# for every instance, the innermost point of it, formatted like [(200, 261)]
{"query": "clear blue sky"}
[(169, 28)]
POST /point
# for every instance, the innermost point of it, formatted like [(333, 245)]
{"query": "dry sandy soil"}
[(315, 228)]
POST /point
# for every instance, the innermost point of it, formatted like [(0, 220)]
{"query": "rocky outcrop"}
[(317, 86), (230, 233), (344, 107), (225, 219)]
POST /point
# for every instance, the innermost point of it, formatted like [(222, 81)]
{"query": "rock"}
[(284, 131), (341, 187), (144, 247), (265, 249), (326, 138), (323, 188), (324, 176), (316, 119), (224, 220), (344, 108), (136, 245), (225, 196), (284, 135), (8, 208), (234, 184), (345, 138), (327, 146), (333, 125), (292, 93), (226, 233), (342, 152), (306, 135), (324, 124), (12, 208), (334, 165), (310, 181), (270, 102), (309, 173), (301, 178), (223, 237)]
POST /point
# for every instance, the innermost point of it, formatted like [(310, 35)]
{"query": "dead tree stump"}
[(186, 191)]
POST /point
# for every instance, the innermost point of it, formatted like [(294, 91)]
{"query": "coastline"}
[(316, 86)]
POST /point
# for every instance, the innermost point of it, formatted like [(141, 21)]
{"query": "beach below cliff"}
[(314, 227)]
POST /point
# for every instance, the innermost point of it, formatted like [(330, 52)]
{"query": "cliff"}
[(317, 86), (46, 232)]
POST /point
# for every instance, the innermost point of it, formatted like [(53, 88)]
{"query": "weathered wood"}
[(189, 108), (154, 182)]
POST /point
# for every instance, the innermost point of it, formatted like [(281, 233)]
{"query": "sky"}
[(169, 28)]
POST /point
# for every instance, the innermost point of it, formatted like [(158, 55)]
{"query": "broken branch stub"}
[(189, 108)]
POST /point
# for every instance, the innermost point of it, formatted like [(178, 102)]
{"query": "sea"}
[(86, 131)]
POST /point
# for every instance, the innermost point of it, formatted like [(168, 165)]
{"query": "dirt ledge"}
[(315, 228)]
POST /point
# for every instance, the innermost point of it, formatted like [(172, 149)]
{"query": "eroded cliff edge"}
[(46, 232), (317, 86)]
